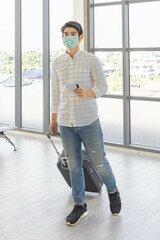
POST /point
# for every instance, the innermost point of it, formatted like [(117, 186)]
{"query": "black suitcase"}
[(93, 182)]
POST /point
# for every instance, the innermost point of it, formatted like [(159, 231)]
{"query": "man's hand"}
[(82, 93), (53, 125)]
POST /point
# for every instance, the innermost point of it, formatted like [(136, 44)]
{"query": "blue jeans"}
[(92, 138)]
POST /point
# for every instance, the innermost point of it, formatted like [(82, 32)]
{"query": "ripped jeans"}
[(92, 138)]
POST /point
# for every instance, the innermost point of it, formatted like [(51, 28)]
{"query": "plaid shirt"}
[(85, 69)]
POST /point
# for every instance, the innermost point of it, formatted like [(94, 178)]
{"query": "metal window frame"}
[(126, 75), (106, 4), (102, 4), (91, 48), (18, 68), (126, 69), (18, 63), (46, 65), (140, 1), (90, 26)]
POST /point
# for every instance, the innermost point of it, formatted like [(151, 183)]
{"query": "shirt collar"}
[(75, 55)]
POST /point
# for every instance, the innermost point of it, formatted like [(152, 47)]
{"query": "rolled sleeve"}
[(55, 91), (99, 78)]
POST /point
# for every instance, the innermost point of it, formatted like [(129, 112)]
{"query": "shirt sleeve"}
[(55, 91), (99, 78)]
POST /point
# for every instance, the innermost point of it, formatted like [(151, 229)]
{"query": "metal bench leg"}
[(7, 138)]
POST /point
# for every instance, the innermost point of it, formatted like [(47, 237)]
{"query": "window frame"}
[(126, 50), (18, 69), (90, 47)]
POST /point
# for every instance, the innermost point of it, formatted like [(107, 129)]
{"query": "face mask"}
[(70, 41)]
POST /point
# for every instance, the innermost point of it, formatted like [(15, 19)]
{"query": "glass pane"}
[(108, 27), (7, 58), (32, 76), (111, 118), (144, 25), (112, 65), (145, 74), (145, 123), (56, 22)]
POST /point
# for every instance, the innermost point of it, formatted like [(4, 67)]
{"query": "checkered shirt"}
[(84, 69)]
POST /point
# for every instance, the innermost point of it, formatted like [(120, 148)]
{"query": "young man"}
[(77, 80)]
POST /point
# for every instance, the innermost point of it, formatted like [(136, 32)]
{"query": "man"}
[(77, 80)]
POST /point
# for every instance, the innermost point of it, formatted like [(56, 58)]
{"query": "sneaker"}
[(115, 202), (78, 212)]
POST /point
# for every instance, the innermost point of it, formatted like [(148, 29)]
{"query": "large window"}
[(32, 74), (7, 58), (25, 63), (107, 45), (125, 36)]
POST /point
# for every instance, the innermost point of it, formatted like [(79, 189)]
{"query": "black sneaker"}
[(78, 212), (115, 203)]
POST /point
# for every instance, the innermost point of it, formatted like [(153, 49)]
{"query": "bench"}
[(4, 128)]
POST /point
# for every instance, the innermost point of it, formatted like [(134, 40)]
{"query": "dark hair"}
[(73, 24)]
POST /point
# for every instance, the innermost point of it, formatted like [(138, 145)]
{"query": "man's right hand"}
[(54, 124)]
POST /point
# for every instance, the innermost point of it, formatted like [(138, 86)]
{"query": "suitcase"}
[(93, 182)]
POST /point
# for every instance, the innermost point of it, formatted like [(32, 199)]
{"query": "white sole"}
[(83, 216), (115, 214)]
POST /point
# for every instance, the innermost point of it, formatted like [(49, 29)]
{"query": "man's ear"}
[(81, 37)]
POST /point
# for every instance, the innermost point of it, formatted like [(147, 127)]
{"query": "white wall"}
[(79, 15)]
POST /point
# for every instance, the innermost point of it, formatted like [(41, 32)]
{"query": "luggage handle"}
[(59, 155)]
